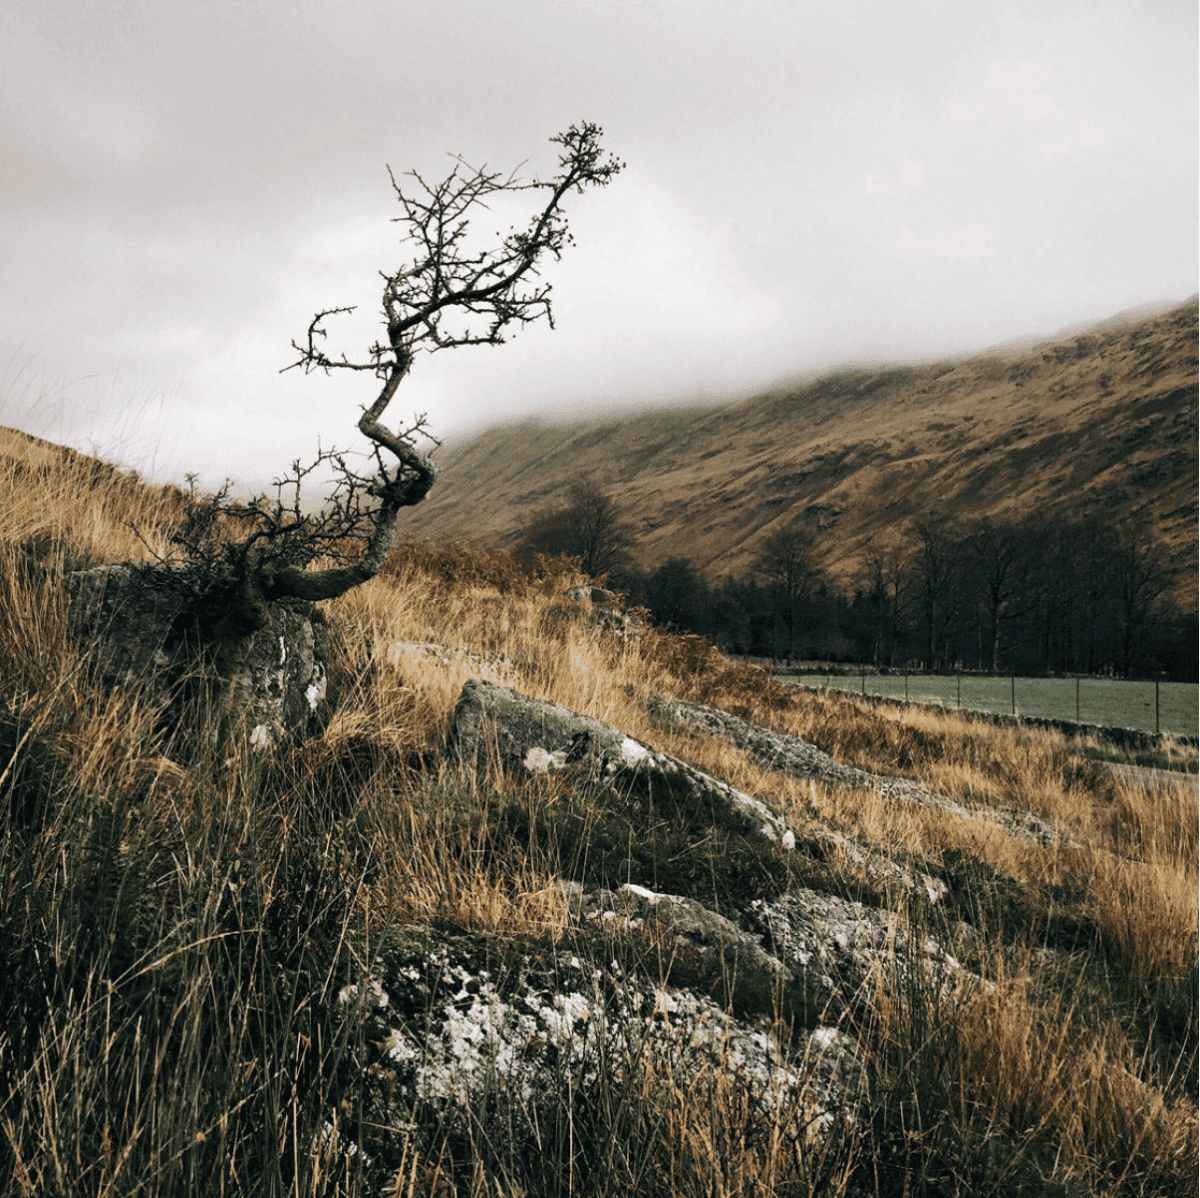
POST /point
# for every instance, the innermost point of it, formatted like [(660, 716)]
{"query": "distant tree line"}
[(1035, 595)]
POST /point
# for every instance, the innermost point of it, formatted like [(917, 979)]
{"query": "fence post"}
[(862, 675), (906, 685), (1155, 704), (1014, 692), (1077, 719), (958, 686)]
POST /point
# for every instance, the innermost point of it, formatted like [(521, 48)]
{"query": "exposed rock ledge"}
[(498, 724), (792, 755)]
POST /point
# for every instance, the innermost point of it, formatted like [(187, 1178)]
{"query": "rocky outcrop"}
[(792, 755), (879, 870), (498, 1040), (496, 724), (143, 627), (840, 946)]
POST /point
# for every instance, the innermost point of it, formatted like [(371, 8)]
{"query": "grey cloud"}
[(806, 184)]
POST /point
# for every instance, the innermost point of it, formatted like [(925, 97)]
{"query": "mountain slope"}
[(1100, 421)]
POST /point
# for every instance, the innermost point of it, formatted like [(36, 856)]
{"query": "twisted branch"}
[(488, 289)]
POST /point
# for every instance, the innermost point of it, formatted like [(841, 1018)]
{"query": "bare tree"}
[(883, 586), (997, 563), (785, 559), (449, 295), (586, 526), (938, 569), (1140, 576)]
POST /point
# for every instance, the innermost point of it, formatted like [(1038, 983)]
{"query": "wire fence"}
[(1145, 706)]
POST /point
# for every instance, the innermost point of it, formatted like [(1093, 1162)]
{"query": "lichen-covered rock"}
[(881, 871), (283, 682), (470, 1037), (494, 723), (683, 923), (837, 945), (127, 616), (141, 624), (503, 1041)]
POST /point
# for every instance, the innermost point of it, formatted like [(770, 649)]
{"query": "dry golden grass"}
[(436, 868), (139, 869), (104, 514), (1016, 1073)]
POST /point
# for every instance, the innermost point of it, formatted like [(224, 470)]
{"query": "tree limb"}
[(489, 289)]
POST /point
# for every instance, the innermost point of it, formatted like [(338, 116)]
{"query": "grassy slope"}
[(172, 928), (1101, 419)]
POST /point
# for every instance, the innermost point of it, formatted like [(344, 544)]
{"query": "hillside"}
[(1087, 421), (535, 901)]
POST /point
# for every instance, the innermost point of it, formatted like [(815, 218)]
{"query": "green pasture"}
[(1112, 702)]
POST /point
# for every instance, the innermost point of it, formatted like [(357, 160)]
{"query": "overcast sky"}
[(182, 185)]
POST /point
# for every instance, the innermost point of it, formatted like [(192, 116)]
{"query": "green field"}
[(1109, 701)]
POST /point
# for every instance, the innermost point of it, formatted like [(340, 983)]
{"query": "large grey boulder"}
[(142, 625), (496, 724)]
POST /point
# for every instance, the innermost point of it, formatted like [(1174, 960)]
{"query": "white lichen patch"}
[(665, 1004), (485, 1039), (641, 892), (539, 761), (570, 1010), (824, 1037), (632, 753), (375, 996)]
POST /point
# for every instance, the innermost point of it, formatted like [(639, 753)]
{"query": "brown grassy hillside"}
[(1102, 420), (182, 930)]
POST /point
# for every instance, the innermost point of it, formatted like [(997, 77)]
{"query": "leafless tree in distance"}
[(785, 560), (587, 526)]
